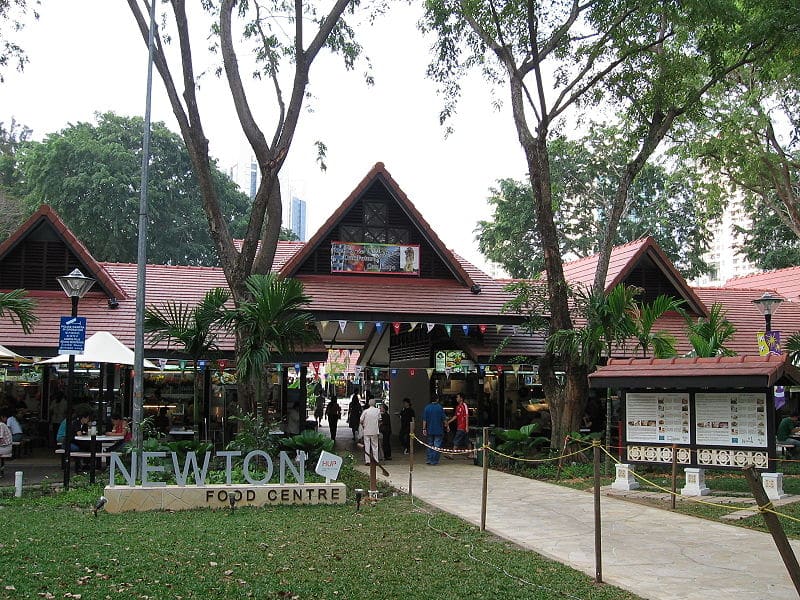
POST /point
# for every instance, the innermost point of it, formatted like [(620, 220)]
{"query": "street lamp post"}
[(75, 286), (768, 305)]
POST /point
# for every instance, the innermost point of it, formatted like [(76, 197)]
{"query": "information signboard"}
[(660, 417), (72, 335)]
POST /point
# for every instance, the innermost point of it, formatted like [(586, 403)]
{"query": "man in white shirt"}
[(370, 424), (13, 425)]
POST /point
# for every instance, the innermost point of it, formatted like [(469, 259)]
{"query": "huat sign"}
[(181, 495)]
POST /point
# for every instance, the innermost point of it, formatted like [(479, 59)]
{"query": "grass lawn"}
[(53, 547)]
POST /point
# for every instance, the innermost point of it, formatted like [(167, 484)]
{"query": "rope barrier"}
[(729, 507)]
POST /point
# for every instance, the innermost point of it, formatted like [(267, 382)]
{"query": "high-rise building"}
[(723, 256), (297, 218)]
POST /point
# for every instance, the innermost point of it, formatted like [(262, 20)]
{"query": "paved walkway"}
[(651, 552)]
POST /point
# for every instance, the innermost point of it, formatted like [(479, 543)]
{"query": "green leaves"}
[(90, 174), (708, 336), (270, 322), (20, 309)]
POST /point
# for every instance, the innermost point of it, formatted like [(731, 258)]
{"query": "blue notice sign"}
[(72, 336)]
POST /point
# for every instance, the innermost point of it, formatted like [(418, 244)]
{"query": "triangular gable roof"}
[(378, 173), (45, 216), (784, 282), (622, 264)]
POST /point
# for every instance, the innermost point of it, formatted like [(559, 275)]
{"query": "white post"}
[(18, 483), (625, 480), (773, 485), (695, 483)]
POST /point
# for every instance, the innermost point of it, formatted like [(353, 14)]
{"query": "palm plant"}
[(19, 309), (270, 323), (792, 347), (194, 328), (608, 324), (644, 318), (708, 336)]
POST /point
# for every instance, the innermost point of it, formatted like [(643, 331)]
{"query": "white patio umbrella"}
[(8, 354), (101, 347)]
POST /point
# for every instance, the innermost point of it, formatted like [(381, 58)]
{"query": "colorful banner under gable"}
[(430, 326), (182, 365), (394, 372), (447, 328), (223, 364), (429, 371), (162, 362), (396, 327), (296, 367), (342, 325), (376, 371), (414, 325), (465, 329), (412, 372), (499, 368), (780, 397), (773, 339), (201, 365), (515, 367), (379, 326), (280, 367), (763, 349), (315, 367), (360, 326), (482, 329), (499, 328), (323, 325)]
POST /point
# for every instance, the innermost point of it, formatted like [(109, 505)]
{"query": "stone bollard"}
[(18, 483), (695, 483), (625, 480), (773, 485)]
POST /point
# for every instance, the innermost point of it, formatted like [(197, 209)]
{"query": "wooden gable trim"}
[(378, 173), (45, 214), (650, 248)]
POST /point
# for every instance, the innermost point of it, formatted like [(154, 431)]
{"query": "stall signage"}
[(72, 335), (328, 465), (451, 359), (395, 259)]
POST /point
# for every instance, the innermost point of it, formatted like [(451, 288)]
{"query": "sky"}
[(86, 56)]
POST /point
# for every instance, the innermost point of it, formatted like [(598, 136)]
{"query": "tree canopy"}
[(662, 204), (13, 18), (90, 174), (650, 64)]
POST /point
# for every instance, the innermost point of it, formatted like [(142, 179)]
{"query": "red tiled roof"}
[(784, 282), (733, 371), (94, 269), (623, 259), (377, 172)]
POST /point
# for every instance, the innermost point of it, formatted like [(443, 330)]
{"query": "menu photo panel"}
[(658, 417), (731, 419)]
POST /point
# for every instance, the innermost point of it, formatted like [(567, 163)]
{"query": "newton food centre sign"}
[(182, 495)]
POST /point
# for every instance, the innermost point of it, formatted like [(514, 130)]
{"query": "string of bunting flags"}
[(397, 326)]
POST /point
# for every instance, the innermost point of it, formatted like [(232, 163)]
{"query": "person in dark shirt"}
[(407, 415)]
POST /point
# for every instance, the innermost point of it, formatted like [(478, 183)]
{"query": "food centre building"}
[(398, 313)]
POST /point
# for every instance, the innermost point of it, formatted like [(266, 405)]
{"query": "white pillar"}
[(18, 483), (695, 483), (773, 485), (625, 480)]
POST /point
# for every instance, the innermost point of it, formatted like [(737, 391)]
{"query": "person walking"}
[(354, 415), (370, 423), (334, 413), (433, 423), (319, 409), (386, 432), (461, 420), (407, 415)]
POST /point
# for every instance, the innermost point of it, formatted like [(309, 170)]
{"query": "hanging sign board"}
[(72, 335), (394, 259)]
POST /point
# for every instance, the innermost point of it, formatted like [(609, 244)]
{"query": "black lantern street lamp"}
[(75, 286), (768, 305)]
